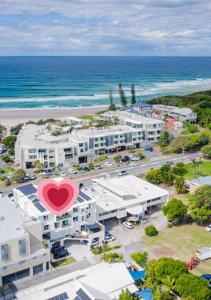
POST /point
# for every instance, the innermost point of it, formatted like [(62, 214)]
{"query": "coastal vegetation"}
[(113, 257), (151, 230)]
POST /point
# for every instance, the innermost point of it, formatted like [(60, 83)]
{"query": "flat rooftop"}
[(11, 220), (131, 116), (30, 193), (116, 192)]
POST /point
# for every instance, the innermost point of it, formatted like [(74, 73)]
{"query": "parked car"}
[(32, 176), (60, 253), (135, 158), (57, 248), (98, 166), (95, 242), (129, 225), (125, 158), (148, 148), (133, 164), (123, 172), (109, 238), (86, 169), (108, 164), (72, 171), (63, 174), (208, 228)]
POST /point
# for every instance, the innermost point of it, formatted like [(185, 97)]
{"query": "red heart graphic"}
[(58, 197)]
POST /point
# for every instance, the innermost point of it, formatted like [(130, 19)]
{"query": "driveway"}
[(79, 250)]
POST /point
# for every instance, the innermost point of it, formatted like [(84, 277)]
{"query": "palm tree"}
[(169, 283)]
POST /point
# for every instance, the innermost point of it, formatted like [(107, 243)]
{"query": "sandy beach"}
[(11, 117)]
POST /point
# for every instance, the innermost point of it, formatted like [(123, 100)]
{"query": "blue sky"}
[(108, 27)]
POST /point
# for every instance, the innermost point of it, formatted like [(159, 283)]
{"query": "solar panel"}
[(62, 296), (76, 298), (79, 199), (39, 207), (31, 197), (35, 200), (27, 189), (82, 295), (83, 195)]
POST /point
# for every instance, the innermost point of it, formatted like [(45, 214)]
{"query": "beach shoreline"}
[(11, 117)]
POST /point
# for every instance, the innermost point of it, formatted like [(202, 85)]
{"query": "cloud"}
[(112, 27)]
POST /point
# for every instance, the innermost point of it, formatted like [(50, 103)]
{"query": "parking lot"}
[(129, 239)]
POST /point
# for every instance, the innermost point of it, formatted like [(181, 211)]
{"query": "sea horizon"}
[(85, 81)]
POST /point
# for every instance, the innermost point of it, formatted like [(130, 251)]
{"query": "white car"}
[(129, 225), (123, 172), (63, 174), (108, 164), (208, 228), (133, 164), (135, 158), (72, 171)]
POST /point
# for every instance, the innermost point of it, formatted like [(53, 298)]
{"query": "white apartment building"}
[(102, 281), (36, 143), (78, 223), (21, 250), (151, 128), (125, 196), (178, 113)]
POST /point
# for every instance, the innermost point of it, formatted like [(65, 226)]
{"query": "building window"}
[(75, 209), (5, 252), (65, 223), (47, 266), (46, 227), (37, 269), (56, 225), (22, 247), (45, 218), (75, 219)]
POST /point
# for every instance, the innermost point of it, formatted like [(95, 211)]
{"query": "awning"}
[(136, 275), (136, 210), (133, 219), (145, 294)]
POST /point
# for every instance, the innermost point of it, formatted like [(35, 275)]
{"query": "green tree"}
[(175, 210), (139, 153), (9, 141), (166, 174), (125, 295), (117, 157), (189, 285), (180, 184), (153, 176), (140, 258), (179, 169), (133, 94), (206, 151), (6, 158), (112, 106), (18, 174), (164, 139), (151, 230), (200, 204), (38, 167), (123, 99)]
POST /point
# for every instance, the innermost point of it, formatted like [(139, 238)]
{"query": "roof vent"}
[(2, 218)]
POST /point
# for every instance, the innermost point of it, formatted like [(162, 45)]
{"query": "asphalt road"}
[(142, 167)]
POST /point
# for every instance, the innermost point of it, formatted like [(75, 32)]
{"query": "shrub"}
[(6, 158), (150, 230), (140, 258), (112, 257)]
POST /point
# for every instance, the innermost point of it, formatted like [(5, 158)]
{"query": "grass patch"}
[(113, 257), (203, 169), (87, 117), (63, 262), (181, 242)]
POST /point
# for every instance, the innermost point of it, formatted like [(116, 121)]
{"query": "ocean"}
[(33, 82)]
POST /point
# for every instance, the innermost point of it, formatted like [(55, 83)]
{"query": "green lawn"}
[(181, 242), (203, 169), (87, 117)]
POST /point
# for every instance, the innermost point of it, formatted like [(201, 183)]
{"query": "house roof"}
[(202, 181)]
